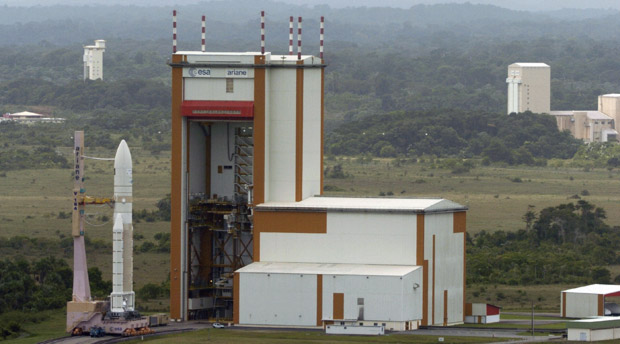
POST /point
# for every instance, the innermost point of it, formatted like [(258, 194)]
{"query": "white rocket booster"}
[(123, 296)]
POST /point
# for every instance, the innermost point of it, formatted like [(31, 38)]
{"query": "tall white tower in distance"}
[(93, 60), (529, 87)]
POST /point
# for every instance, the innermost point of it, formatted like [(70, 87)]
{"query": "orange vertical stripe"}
[(445, 308), (319, 300), (338, 306), (259, 147), (433, 290), (563, 305), (236, 298), (424, 263), (176, 173), (256, 245), (322, 124), (459, 222), (259, 131), (299, 133), (601, 305)]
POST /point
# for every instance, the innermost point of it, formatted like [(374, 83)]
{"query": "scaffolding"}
[(244, 158), (220, 238)]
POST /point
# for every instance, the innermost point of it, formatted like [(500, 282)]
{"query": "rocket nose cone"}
[(123, 156)]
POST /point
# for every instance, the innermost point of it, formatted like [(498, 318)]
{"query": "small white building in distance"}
[(529, 87), (93, 60), (589, 301), (481, 313)]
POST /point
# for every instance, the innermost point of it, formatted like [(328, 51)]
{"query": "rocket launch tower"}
[(247, 128), (117, 316)]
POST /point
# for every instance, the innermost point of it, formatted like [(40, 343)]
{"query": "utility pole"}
[(532, 318)]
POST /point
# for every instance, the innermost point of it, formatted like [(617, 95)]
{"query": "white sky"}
[(529, 5)]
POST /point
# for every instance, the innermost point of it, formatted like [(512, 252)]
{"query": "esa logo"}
[(199, 72)]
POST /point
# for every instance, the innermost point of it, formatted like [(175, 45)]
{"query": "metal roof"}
[(611, 95), (599, 289), (562, 113), (359, 204), (328, 269), (597, 115), (591, 114), (530, 64), (594, 323), (25, 114)]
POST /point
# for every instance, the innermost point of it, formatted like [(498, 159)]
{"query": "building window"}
[(230, 86)]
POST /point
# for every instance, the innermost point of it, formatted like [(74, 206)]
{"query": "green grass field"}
[(546, 298), (497, 197), (31, 200), (53, 327)]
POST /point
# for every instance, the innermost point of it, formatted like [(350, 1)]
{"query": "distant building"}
[(609, 104), (93, 60), (589, 126), (529, 87), (30, 117), (481, 313)]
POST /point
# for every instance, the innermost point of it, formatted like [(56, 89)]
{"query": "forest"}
[(568, 243)]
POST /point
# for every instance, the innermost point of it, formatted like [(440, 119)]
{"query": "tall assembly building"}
[(254, 241), (529, 87), (93, 60)]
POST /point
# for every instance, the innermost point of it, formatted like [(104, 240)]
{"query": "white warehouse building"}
[(355, 261)]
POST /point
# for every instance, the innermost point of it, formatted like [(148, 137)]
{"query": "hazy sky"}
[(529, 5)]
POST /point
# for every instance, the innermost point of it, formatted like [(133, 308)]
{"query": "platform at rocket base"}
[(122, 297)]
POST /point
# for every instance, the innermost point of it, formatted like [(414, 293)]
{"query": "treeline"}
[(28, 288), (568, 243), (86, 95), (525, 138), (123, 59), (40, 157), (42, 284)]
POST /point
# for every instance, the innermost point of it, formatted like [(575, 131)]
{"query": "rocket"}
[(122, 297)]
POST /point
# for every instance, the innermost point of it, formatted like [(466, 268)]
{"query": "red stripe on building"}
[(218, 110)]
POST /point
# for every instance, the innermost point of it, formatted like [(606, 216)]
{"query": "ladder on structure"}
[(244, 160)]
